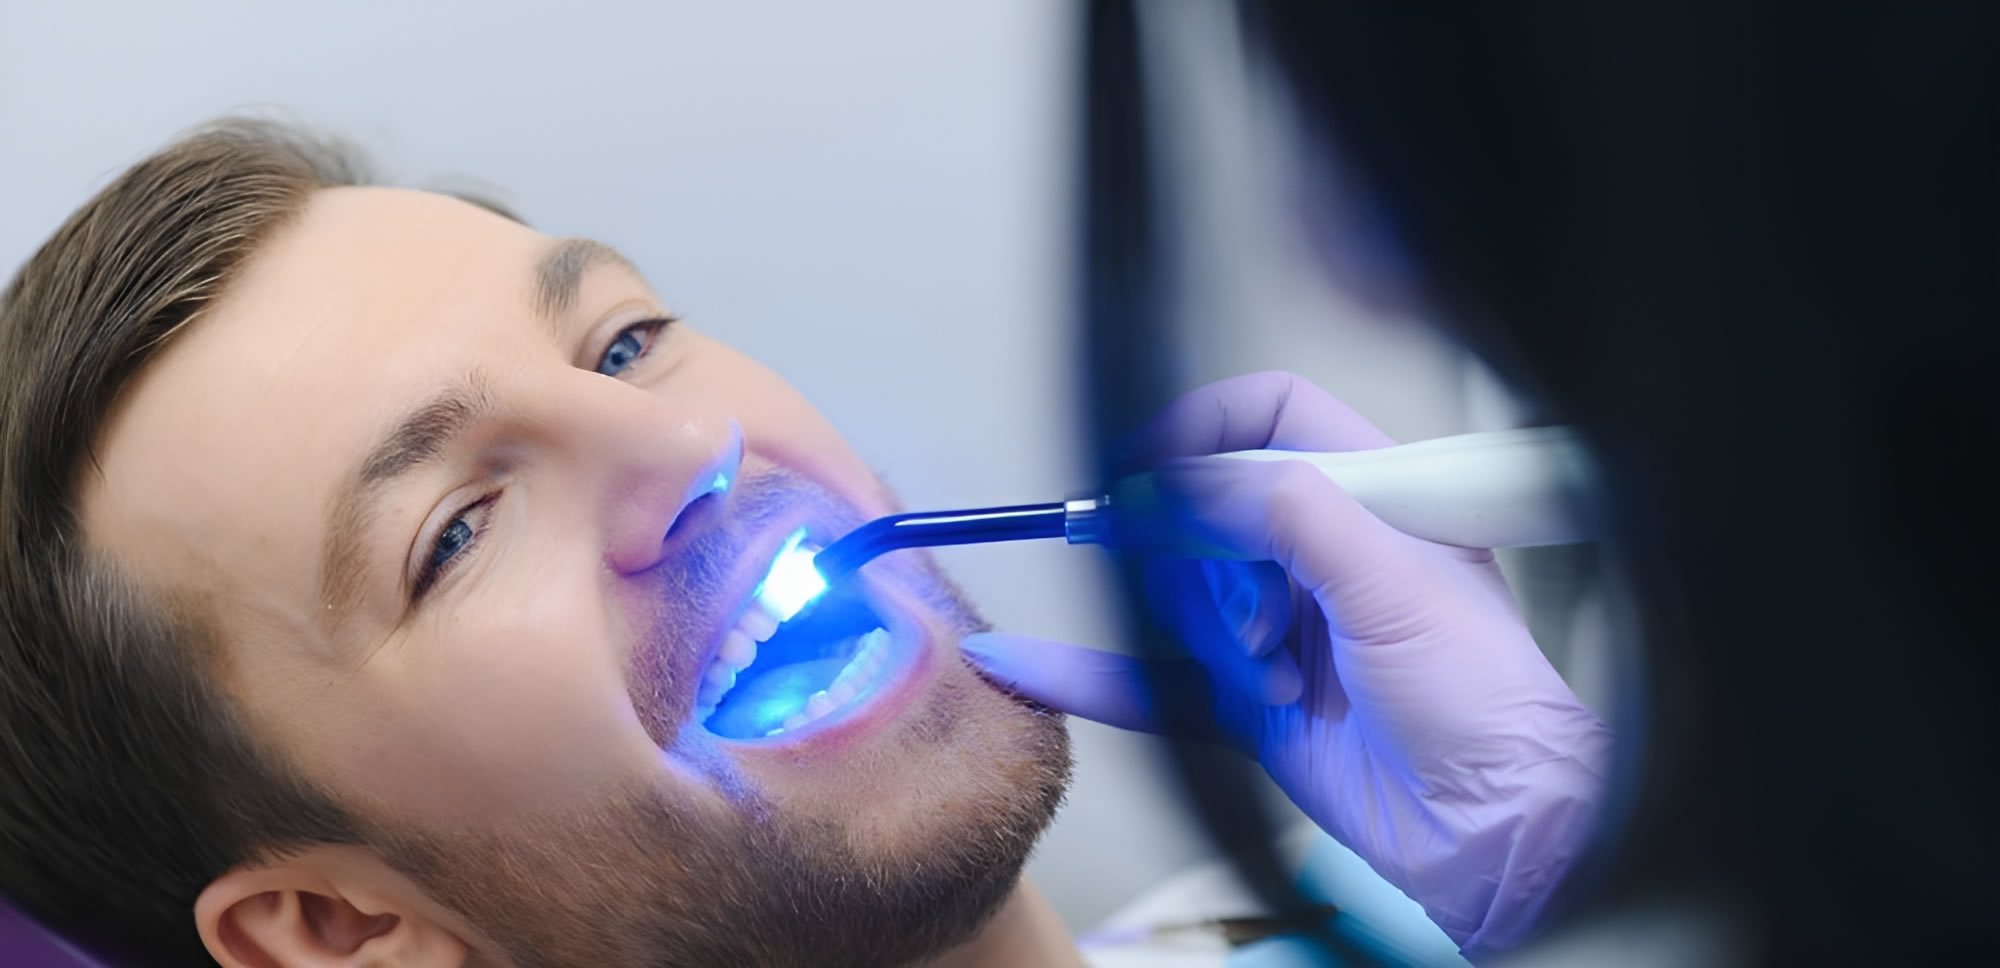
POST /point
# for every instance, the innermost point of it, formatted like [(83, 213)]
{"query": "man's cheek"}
[(517, 728)]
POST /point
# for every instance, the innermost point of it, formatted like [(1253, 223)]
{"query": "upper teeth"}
[(738, 651)]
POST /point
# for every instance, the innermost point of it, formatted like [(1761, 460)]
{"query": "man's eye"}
[(630, 345), (456, 536), (451, 542)]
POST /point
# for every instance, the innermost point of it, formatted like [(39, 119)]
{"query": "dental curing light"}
[(1499, 489), (792, 582)]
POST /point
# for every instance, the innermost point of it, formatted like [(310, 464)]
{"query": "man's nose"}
[(661, 459)]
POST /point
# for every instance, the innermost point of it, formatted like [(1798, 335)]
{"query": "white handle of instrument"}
[(1496, 489)]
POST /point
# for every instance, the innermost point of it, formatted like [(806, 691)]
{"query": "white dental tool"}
[(1497, 489)]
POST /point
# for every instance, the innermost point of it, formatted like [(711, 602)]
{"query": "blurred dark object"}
[(1750, 251), (1125, 302)]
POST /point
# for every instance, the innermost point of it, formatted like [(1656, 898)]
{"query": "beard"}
[(647, 875), (636, 882)]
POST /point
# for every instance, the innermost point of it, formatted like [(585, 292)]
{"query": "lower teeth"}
[(800, 693)]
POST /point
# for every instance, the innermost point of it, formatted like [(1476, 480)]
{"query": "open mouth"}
[(765, 681)]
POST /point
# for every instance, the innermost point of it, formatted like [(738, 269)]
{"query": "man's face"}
[(477, 527)]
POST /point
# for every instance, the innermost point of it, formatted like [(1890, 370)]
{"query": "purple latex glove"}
[(1385, 682)]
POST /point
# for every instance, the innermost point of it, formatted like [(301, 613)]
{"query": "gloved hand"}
[(1385, 682)]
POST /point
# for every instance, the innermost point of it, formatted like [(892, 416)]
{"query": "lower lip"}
[(906, 665)]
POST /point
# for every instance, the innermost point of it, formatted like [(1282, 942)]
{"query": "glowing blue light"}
[(793, 581)]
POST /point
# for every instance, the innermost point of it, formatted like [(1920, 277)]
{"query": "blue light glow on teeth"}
[(793, 582)]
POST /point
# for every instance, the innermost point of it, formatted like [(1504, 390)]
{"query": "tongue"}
[(760, 705)]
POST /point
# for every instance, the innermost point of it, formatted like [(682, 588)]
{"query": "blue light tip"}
[(793, 582)]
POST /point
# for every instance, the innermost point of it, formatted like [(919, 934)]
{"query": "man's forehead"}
[(384, 243)]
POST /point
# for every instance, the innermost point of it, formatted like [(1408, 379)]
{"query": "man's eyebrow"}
[(422, 437), (560, 271)]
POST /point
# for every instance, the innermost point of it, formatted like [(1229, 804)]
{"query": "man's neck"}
[(1025, 932)]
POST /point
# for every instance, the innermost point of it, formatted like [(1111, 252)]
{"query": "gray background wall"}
[(872, 197)]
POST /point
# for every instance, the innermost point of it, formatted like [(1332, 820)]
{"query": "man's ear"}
[(293, 916)]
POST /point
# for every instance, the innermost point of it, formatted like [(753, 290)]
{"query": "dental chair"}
[(25, 944)]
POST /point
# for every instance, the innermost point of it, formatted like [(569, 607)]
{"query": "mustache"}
[(700, 567), (783, 495)]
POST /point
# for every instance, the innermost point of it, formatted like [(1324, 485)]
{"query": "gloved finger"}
[(1280, 681), (1253, 599), (1239, 651), (1290, 513), (1178, 593), (1272, 409), (1161, 696)]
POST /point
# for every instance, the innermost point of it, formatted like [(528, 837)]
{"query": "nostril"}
[(698, 511)]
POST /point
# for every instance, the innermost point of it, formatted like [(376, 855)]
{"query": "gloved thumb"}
[(1163, 696)]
